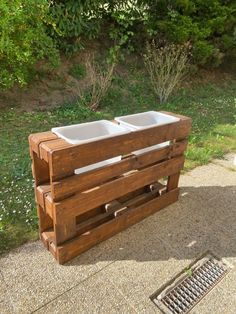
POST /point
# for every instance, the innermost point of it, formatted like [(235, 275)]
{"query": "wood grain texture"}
[(76, 183), (64, 229), (74, 211), (36, 139), (106, 192), (117, 208), (89, 239), (64, 160), (40, 170), (173, 181)]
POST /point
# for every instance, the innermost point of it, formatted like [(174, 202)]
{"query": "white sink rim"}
[(121, 120), (117, 130), (97, 165)]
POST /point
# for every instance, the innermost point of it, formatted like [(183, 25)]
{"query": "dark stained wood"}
[(45, 221), (87, 200), (48, 205), (89, 239), (40, 170), (117, 208), (64, 230), (89, 214), (64, 160), (173, 181), (78, 211), (46, 148), (47, 237), (41, 193), (37, 138), (70, 185)]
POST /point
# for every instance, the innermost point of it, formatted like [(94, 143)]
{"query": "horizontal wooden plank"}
[(106, 192), (70, 185), (64, 160), (87, 240), (118, 207), (46, 148), (37, 138)]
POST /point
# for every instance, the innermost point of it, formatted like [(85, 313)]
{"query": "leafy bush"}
[(74, 19), (30, 29), (78, 71), (166, 65), (210, 25), (23, 39)]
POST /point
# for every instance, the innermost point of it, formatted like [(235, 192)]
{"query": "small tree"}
[(167, 66), (99, 79)]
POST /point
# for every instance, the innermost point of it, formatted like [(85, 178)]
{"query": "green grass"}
[(211, 106)]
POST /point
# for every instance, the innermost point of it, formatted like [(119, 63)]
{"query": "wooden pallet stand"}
[(77, 211)]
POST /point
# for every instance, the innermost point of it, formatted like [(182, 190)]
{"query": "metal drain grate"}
[(185, 291)]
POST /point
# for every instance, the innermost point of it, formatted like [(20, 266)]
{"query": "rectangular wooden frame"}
[(77, 211)]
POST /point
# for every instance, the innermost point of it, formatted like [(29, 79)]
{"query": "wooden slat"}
[(130, 195), (89, 239), (47, 237), (59, 143), (41, 176), (90, 214), (64, 160), (64, 229), (40, 170), (41, 193), (48, 205), (87, 200), (36, 139), (101, 218), (70, 185), (173, 181), (45, 221)]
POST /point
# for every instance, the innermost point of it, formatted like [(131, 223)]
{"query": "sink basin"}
[(146, 120), (89, 132)]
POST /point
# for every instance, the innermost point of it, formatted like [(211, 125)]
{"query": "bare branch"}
[(167, 66)]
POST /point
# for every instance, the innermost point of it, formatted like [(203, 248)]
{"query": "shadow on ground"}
[(132, 264), (203, 218)]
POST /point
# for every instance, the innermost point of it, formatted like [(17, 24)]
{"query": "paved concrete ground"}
[(120, 274)]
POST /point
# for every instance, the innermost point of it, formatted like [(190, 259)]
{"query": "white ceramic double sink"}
[(97, 130)]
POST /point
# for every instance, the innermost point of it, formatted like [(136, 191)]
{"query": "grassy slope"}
[(212, 108)]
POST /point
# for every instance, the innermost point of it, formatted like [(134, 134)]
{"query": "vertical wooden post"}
[(173, 181), (45, 221), (65, 230), (40, 171)]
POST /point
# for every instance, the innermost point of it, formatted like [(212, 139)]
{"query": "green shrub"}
[(23, 39), (74, 19), (208, 24), (78, 71)]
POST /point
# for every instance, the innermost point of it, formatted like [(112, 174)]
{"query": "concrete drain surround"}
[(190, 286)]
